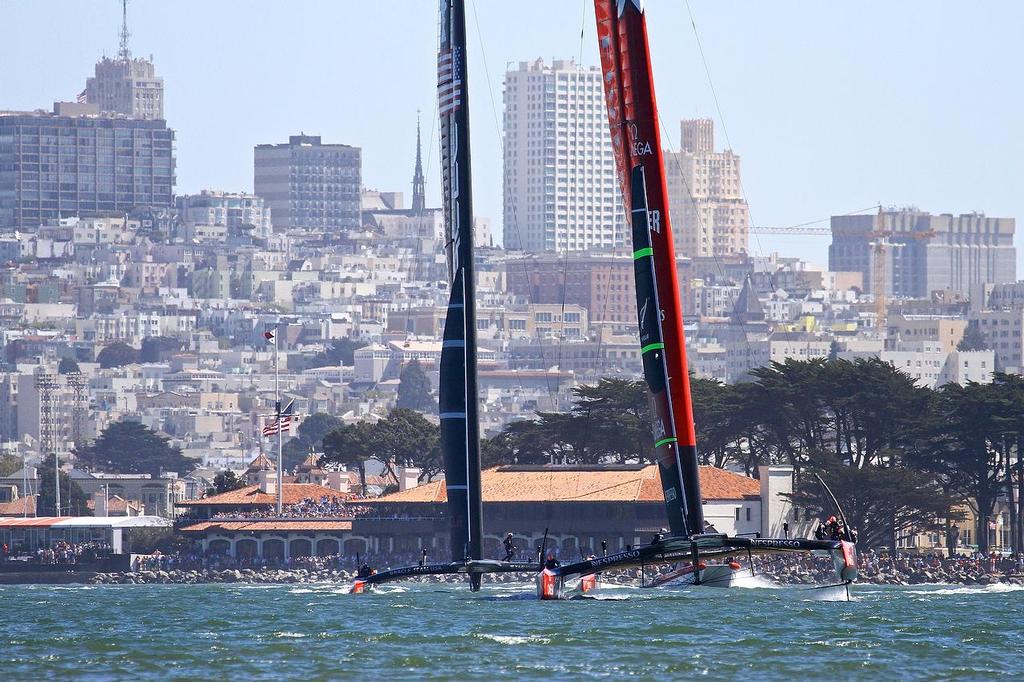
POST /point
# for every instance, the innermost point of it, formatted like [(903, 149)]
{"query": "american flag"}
[(449, 80), (82, 97), (284, 424)]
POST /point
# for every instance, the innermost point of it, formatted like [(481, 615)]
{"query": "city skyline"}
[(804, 161)]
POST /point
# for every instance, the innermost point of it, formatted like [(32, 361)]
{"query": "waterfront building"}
[(310, 185), (26, 536), (619, 504), (922, 253), (78, 162), (561, 191), (584, 506), (709, 215)]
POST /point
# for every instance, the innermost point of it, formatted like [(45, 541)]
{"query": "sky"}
[(832, 106)]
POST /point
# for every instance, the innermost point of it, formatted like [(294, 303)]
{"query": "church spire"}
[(419, 193), (124, 54)]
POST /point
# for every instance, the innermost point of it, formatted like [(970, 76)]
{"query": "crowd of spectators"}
[(60, 553), (872, 562), (326, 507)]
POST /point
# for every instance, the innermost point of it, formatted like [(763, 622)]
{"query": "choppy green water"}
[(163, 632)]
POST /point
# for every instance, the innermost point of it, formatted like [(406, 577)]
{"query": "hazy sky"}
[(833, 106)]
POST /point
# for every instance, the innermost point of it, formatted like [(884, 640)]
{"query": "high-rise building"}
[(921, 253), (126, 85), (561, 189), (709, 215), (77, 162), (310, 185)]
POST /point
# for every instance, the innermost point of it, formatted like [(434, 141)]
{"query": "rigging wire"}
[(721, 119), (573, 197), (512, 204)]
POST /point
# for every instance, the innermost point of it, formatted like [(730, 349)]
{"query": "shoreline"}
[(275, 576)]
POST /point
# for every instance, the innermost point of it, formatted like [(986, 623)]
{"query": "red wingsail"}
[(633, 119)]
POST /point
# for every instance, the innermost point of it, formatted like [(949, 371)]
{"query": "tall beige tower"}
[(710, 217), (561, 190), (126, 85)]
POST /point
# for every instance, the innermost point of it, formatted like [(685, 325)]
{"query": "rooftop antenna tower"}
[(123, 53)]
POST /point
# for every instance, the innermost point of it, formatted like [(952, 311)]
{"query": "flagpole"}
[(280, 438)]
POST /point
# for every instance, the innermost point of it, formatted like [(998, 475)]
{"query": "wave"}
[(995, 588), (512, 640)]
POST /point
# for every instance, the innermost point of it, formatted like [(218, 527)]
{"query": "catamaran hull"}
[(551, 586), (716, 575)]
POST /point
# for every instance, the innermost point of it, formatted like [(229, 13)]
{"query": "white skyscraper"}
[(561, 189)]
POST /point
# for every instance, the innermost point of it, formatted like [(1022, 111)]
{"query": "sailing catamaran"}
[(636, 143), (458, 396)]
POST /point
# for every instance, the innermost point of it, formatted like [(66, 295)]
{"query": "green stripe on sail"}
[(652, 346), (640, 253), (670, 439)]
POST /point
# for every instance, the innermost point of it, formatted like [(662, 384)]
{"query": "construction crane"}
[(879, 281)]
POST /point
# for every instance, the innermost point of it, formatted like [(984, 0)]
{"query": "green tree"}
[(613, 418), (9, 464), (520, 442), (404, 438), (350, 446), (1011, 388), (338, 352), (226, 481), (157, 348), (73, 500), (308, 438), (117, 354), (880, 502), (973, 436), (973, 338), (129, 447), (414, 389), (67, 366)]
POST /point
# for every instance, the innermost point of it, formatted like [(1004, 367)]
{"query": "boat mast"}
[(458, 398), (636, 143)]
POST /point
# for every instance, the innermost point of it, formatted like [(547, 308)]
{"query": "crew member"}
[(510, 548), (423, 559), (551, 562), (365, 571), (820, 533)]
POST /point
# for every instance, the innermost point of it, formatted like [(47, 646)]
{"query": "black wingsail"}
[(682, 493), (460, 428)]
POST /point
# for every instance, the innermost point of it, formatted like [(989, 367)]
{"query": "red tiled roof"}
[(267, 525), (509, 484), (18, 506), (251, 495)]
